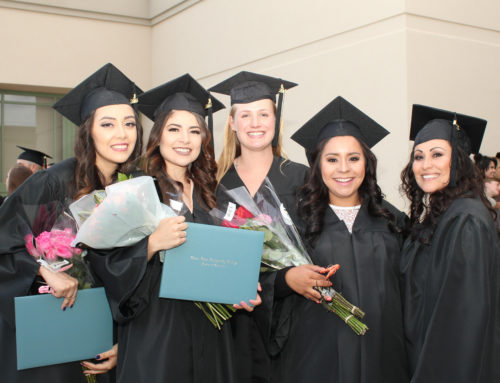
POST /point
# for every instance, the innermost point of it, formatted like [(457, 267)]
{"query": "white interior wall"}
[(382, 56), (134, 8), (42, 49)]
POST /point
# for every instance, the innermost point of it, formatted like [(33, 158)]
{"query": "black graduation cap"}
[(182, 93), (339, 118), (32, 155), (245, 87), (107, 86), (428, 123)]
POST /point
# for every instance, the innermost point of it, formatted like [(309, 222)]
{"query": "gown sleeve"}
[(31, 209), (459, 342), (125, 274)]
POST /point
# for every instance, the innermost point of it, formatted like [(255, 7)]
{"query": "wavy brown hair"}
[(88, 177), (424, 216), (202, 171), (314, 196)]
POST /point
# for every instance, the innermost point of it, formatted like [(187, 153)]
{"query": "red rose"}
[(227, 223), (241, 212)]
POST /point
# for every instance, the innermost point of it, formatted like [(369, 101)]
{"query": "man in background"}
[(32, 159)]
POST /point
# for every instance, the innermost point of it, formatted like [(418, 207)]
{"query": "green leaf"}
[(99, 196), (124, 177)]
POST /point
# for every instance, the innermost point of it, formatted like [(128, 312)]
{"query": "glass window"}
[(19, 115), (27, 119), (20, 98)]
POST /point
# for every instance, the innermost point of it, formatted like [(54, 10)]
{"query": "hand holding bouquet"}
[(53, 250), (124, 214), (63, 266), (120, 216), (282, 244)]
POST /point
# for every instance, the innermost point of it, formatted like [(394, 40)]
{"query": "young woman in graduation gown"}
[(450, 262), (252, 151), (108, 140), (347, 222), (168, 340)]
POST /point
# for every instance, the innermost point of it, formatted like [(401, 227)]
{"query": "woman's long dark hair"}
[(483, 162), (314, 195), (87, 175), (202, 171), (423, 218)]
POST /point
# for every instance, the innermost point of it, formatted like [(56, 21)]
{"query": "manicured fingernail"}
[(98, 357), (64, 309), (71, 306)]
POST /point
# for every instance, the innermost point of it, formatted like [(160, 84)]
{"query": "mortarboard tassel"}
[(281, 94), (454, 139), (134, 99), (210, 121)]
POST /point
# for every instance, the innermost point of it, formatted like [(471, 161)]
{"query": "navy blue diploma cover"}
[(215, 264), (47, 335)]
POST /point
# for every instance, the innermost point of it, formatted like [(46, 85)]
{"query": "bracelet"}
[(44, 263)]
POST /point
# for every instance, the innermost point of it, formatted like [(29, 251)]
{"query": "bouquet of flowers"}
[(119, 216), (124, 214), (283, 246), (53, 250)]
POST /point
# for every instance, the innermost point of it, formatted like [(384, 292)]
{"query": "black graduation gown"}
[(253, 331), (451, 298), (160, 340), (320, 346), (29, 208)]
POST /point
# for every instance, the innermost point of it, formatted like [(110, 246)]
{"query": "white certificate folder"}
[(215, 264)]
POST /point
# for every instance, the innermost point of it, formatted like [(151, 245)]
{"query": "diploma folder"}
[(216, 264), (47, 335)]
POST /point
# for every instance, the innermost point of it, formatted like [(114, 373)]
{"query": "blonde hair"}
[(232, 148)]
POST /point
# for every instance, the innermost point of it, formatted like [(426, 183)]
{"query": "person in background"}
[(252, 151), (497, 177), (32, 159), (486, 165), (16, 176), (491, 189), (108, 141), (497, 170), (450, 261)]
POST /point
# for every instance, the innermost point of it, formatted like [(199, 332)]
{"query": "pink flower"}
[(265, 219), (44, 245), (30, 246), (53, 244), (61, 243)]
